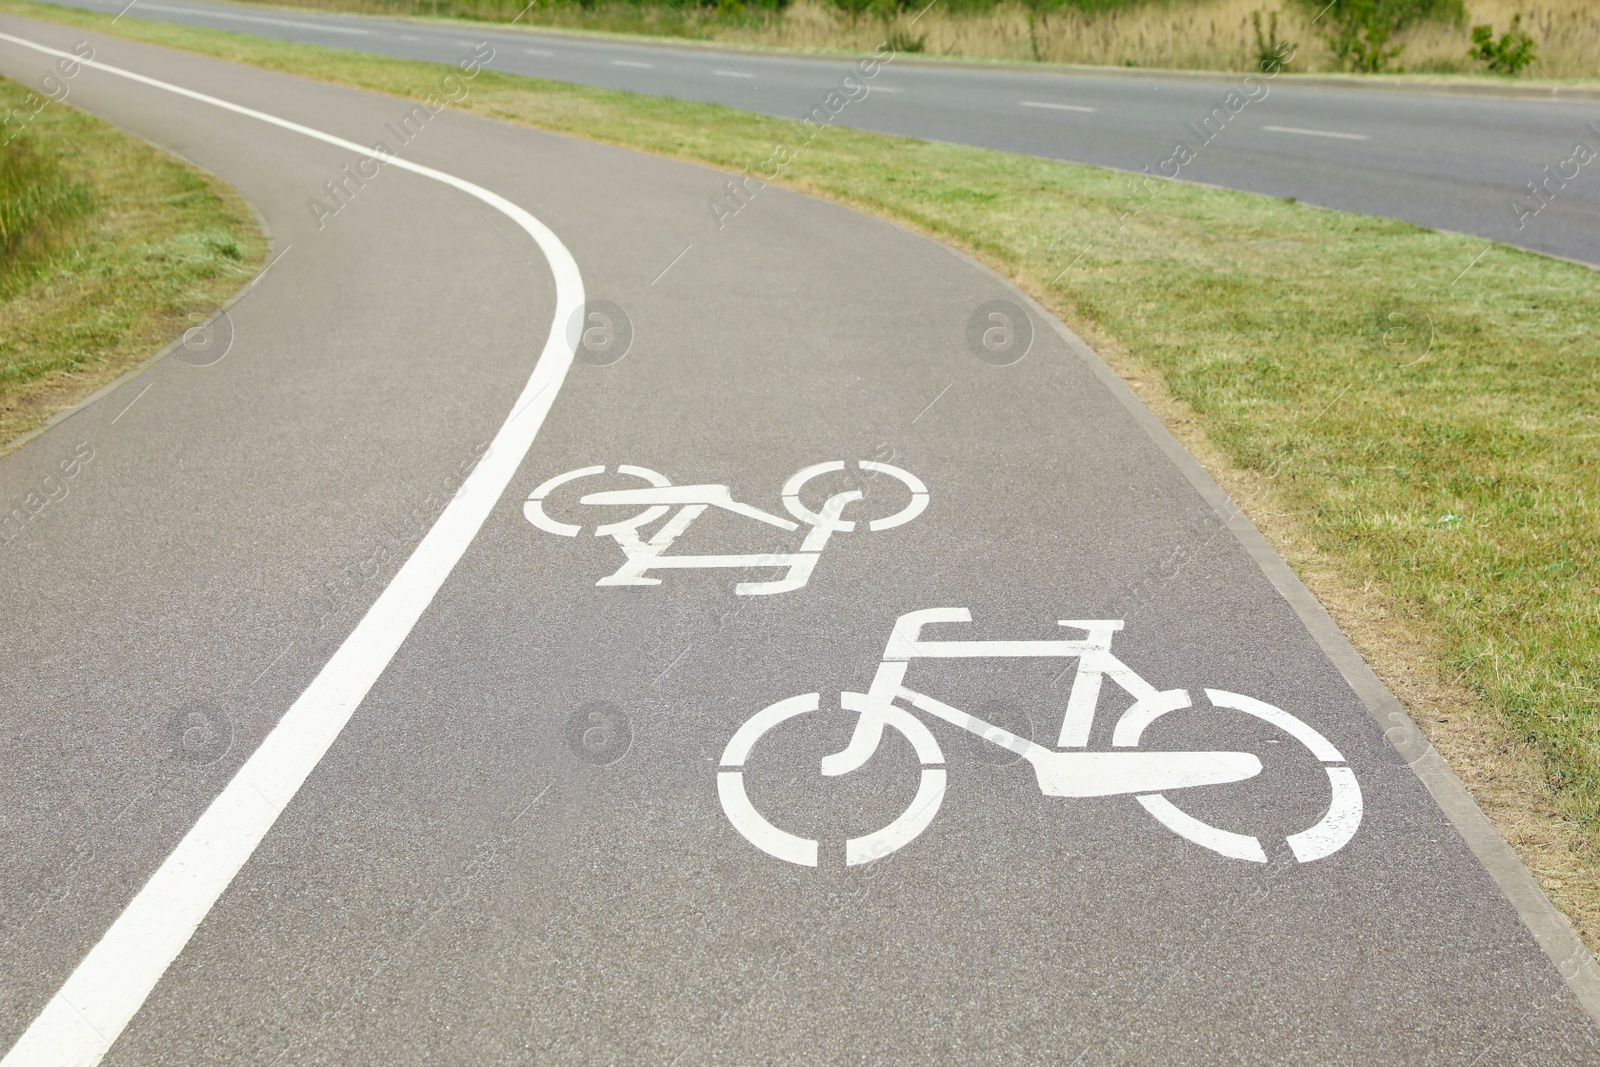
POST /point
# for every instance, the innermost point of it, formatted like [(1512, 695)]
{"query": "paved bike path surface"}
[(1443, 160), (467, 877)]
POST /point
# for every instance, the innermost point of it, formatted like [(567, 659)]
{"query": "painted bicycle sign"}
[(658, 497), (1069, 770)]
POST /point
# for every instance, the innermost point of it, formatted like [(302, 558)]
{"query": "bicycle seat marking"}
[(1069, 770), (658, 496)]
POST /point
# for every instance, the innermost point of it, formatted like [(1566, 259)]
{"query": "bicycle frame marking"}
[(642, 556), (1069, 771)]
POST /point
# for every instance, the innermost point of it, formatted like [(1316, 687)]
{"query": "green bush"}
[(1513, 51), (1358, 32), (1270, 50)]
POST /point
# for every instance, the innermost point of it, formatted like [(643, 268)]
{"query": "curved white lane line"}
[(82, 1020)]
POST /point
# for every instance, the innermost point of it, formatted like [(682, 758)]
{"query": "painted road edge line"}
[(89, 1012)]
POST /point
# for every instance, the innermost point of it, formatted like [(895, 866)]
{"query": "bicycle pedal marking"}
[(659, 498), (1069, 771)]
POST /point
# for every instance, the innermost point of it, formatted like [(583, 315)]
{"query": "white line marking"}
[(1057, 107), (727, 74), (630, 63), (882, 89), (85, 1016), (1317, 133), (254, 18), (538, 52)]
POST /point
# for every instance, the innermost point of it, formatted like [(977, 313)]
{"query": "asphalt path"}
[(1443, 160), (501, 820)]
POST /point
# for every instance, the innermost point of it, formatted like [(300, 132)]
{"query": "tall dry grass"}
[(1189, 35), (1177, 34)]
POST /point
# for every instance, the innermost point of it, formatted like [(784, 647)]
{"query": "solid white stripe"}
[(1056, 107), (1317, 133), (82, 1020)]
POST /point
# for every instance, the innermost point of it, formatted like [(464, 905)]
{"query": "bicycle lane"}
[(516, 850)]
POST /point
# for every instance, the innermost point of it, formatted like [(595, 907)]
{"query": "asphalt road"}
[(1447, 161), (500, 821)]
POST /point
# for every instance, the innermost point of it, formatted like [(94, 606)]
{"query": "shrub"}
[(1358, 31), (1513, 51), (903, 40), (1269, 49)]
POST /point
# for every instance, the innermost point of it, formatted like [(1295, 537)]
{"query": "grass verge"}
[(1412, 417), (109, 248)]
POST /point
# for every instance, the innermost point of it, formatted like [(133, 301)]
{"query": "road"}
[(1450, 162), (339, 730)]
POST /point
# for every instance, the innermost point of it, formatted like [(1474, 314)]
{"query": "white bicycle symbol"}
[(660, 496), (1147, 776)]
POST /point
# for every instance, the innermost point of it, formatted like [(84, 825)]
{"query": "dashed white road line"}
[(538, 52), (1056, 107), (229, 17), (728, 74), (630, 63), (79, 1024), (1317, 133)]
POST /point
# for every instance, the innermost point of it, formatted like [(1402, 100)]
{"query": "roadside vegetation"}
[(1412, 417), (107, 247), (1556, 39)]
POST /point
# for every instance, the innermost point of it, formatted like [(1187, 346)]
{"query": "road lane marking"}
[(537, 52), (727, 74), (1057, 107), (631, 63), (84, 1018), (202, 12), (1317, 133)]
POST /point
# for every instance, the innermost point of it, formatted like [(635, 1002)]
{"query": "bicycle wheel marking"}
[(686, 503), (780, 844), (1071, 772)]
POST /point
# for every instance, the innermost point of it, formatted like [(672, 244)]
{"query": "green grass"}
[(1457, 476), (107, 247), (38, 205)]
